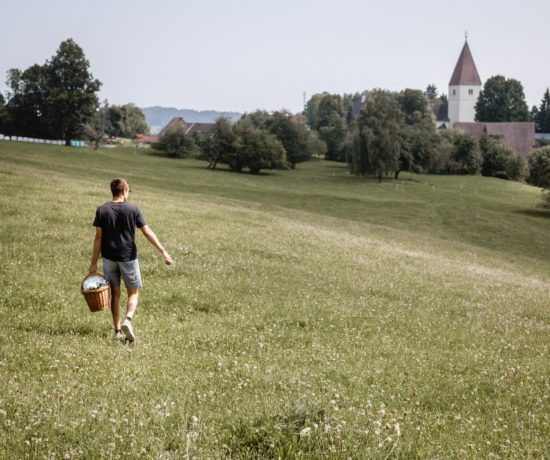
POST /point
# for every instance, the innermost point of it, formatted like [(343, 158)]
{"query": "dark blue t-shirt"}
[(118, 222)]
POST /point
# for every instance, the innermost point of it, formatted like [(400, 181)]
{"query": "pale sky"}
[(252, 54)]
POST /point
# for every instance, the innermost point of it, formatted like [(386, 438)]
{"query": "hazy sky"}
[(253, 54)]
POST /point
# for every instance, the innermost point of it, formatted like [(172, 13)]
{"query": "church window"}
[(471, 92), (454, 92)]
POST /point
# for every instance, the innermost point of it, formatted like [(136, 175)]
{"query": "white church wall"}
[(462, 102)]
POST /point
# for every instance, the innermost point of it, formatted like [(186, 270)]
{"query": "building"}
[(202, 129), (464, 89)]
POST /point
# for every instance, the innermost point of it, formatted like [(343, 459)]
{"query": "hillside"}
[(311, 314), (158, 117)]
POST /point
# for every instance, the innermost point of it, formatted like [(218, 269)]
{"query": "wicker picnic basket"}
[(98, 299)]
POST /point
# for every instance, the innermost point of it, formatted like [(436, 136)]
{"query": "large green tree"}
[(378, 143), (331, 124), (72, 91), (222, 144), (419, 140), (257, 149), (293, 133), (541, 114), (502, 100), (28, 101)]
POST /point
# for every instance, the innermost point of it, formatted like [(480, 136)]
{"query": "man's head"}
[(119, 187)]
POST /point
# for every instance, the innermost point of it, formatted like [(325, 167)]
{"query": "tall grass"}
[(310, 314)]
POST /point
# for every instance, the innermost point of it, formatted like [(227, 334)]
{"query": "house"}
[(202, 129), (464, 89)]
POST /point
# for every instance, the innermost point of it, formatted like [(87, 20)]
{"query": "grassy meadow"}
[(310, 314)]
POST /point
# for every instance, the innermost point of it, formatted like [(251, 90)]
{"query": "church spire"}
[(465, 72)]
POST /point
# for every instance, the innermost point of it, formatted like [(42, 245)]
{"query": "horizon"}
[(249, 57)]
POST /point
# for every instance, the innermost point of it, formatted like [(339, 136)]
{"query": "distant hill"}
[(158, 117)]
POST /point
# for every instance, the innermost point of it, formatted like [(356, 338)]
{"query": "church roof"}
[(440, 111), (465, 72)]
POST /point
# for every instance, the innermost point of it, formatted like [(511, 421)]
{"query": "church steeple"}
[(464, 88), (465, 72)]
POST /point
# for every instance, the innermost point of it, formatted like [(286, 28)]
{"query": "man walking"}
[(115, 223)]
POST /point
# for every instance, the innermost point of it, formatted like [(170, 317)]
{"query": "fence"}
[(40, 141)]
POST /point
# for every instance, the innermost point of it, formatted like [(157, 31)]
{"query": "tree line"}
[(58, 100), (258, 140), (394, 132)]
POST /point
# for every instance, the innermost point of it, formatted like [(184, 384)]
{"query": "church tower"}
[(464, 88)]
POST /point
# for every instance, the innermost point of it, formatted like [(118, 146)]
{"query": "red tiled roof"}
[(518, 136), (465, 72)]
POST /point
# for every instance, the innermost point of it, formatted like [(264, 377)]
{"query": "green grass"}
[(310, 314)]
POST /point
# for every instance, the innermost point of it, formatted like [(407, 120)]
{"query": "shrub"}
[(539, 168), (499, 160), (176, 142)]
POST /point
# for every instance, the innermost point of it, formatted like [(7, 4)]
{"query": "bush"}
[(258, 149), (177, 143), (464, 155), (539, 168), (499, 160)]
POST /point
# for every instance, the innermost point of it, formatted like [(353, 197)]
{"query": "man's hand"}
[(167, 259), (92, 270)]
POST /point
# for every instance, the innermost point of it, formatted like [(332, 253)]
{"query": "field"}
[(310, 314)]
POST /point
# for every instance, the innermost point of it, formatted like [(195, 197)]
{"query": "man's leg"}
[(115, 307), (127, 327), (132, 303)]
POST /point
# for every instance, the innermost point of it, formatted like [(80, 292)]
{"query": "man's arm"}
[(152, 238), (96, 250)]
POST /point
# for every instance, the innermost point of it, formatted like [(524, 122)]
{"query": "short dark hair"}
[(118, 186)]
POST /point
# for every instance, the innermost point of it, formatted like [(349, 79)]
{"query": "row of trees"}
[(259, 140), (395, 131), (58, 100), (53, 100)]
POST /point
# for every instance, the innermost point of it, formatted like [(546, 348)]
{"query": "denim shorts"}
[(129, 271)]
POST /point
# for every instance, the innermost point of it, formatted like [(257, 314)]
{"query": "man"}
[(115, 223)]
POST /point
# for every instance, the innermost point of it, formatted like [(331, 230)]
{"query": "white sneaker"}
[(118, 335), (128, 330)]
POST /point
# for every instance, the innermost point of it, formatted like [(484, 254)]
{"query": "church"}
[(464, 89)]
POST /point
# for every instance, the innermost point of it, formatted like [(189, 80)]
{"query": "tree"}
[(4, 115), (221, 145), (431, 92), (99, 125), (541, 115), (464, 155), (331, 124), (419, 140), (311, 109), (295, 136), (502, 100), (257, 149), (539, 172), (127, 121), (176, 142), (378, 140), (539, 167), (71, 92), (28, 100), (499, 160)]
